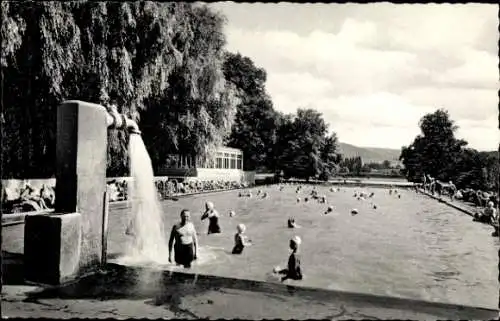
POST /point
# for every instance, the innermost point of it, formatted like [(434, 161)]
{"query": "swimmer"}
[(329, 210), (371, 194), (291, 223), (232, 213), (390, 191), (399, 196), (264, 195), (374, 206), (293, 271), (213, 217), (240, 240), (184, 240), (298, 199), (259, 191), (354, 212), (306, 199), (323, 199)]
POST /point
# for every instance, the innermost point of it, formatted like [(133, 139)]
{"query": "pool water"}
[(411, 247)]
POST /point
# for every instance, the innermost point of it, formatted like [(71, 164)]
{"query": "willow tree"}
[(196, 110), (133, 54), (46, 49)]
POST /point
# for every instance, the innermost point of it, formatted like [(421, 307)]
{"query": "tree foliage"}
[(305, 148), (256, 122), (150, 58), (352, 165), (438, 153)]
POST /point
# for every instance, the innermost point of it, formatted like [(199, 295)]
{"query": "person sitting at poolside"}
[(213, 218), (184, 240), (489, 214), (452, 189), (240, 240), (294, 270), (48, 195), (32, 196)]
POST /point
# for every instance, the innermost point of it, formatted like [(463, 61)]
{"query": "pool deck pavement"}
[(456, 204), (118, 293)]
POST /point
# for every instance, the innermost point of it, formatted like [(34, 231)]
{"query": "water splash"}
[(147, 241)]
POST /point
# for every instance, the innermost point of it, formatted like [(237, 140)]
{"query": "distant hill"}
[(370, 154)]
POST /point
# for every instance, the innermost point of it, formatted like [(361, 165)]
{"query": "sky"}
[(373, 70)]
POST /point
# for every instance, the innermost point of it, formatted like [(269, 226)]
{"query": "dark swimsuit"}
[(213, 225), (238, 246), (293, 271), (184, 254)]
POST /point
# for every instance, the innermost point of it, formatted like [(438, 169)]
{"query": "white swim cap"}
[(241, 227), (232, 213), (491, 204), (297, 240), (210, 205)]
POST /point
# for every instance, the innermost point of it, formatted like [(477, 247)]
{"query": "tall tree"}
[(256, 122), (435, 151), (306, 151)]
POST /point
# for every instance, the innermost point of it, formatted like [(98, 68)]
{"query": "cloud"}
[(375, 70)]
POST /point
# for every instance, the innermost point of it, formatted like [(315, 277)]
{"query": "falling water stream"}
[(147, 239), (147, 242)]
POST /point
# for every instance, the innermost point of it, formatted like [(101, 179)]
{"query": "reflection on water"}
[(410, 247)]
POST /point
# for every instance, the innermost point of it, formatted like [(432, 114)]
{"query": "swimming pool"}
[(409, 247)]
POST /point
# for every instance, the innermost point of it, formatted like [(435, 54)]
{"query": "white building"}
[(226, 165)]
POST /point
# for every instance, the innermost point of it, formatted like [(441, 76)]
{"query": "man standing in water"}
[(186, 241)]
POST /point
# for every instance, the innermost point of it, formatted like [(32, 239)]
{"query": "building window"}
[(219, 163), (239, 161), (233, 163), (226, 163)]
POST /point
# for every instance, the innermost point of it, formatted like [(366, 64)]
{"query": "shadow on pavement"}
[(12, 268), (167, 288)]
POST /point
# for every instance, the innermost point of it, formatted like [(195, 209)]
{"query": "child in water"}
[(240, 240), (293, 271)]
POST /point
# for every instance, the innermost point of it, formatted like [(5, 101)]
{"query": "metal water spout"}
[(115, 120)]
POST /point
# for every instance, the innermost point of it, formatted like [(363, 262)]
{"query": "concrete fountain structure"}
[(67, 245)]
